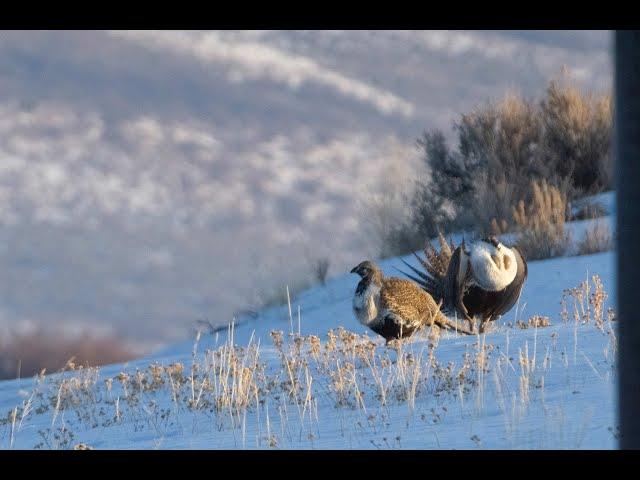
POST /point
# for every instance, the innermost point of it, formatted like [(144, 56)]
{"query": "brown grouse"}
[(393, 307)]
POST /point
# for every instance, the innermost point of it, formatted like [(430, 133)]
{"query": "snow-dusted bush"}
[(596, 239), (563, 138), (541, 221)]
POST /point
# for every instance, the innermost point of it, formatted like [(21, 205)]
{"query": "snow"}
[(540, 388), (606, 200)]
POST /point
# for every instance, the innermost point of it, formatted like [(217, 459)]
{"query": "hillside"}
[(137, 169), (245, 387)]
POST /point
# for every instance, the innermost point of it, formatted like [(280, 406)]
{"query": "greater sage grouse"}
[(483, 281), (393, 307)]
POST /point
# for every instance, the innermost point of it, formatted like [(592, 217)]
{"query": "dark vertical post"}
[(627, 158)]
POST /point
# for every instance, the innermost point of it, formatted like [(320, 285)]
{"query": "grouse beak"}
[(354, 270)]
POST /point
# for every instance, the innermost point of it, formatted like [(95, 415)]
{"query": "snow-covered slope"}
[(549, 387)]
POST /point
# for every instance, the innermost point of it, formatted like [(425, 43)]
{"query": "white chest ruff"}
[(493, 268), (365, 305)]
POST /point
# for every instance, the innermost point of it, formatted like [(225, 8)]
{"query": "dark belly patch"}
[(390, 329)]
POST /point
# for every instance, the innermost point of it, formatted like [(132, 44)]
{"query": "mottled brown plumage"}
[(394, 307)]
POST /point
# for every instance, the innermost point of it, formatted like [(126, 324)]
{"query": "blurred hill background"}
[(148, 179)]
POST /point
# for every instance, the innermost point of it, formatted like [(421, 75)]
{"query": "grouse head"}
[(367, 269), (492, 240)]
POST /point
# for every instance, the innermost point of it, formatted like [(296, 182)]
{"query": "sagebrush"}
[(541, 222), (563, 138)]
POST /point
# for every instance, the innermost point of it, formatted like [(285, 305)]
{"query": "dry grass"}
[(536, 321), (230, 381), (588, 307), (597, 238), (26, 354), (541, 222), (351, 373), (588, 300)]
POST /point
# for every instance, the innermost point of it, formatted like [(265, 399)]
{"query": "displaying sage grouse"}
[(395, 307), (483, 281)]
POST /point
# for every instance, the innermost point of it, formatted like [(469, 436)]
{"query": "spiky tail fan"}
[(435, 265)]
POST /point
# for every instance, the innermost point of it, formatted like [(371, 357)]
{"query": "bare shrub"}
[(502, 138), (495, 201), (563, 138), (451, 180), (492, 168), (597, 238), (588, 211), (541, 222), (26, 354), (321, 269), (577, 135)]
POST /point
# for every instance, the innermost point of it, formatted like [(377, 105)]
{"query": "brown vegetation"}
[(541, 221), (596, 239), (563, 139)]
